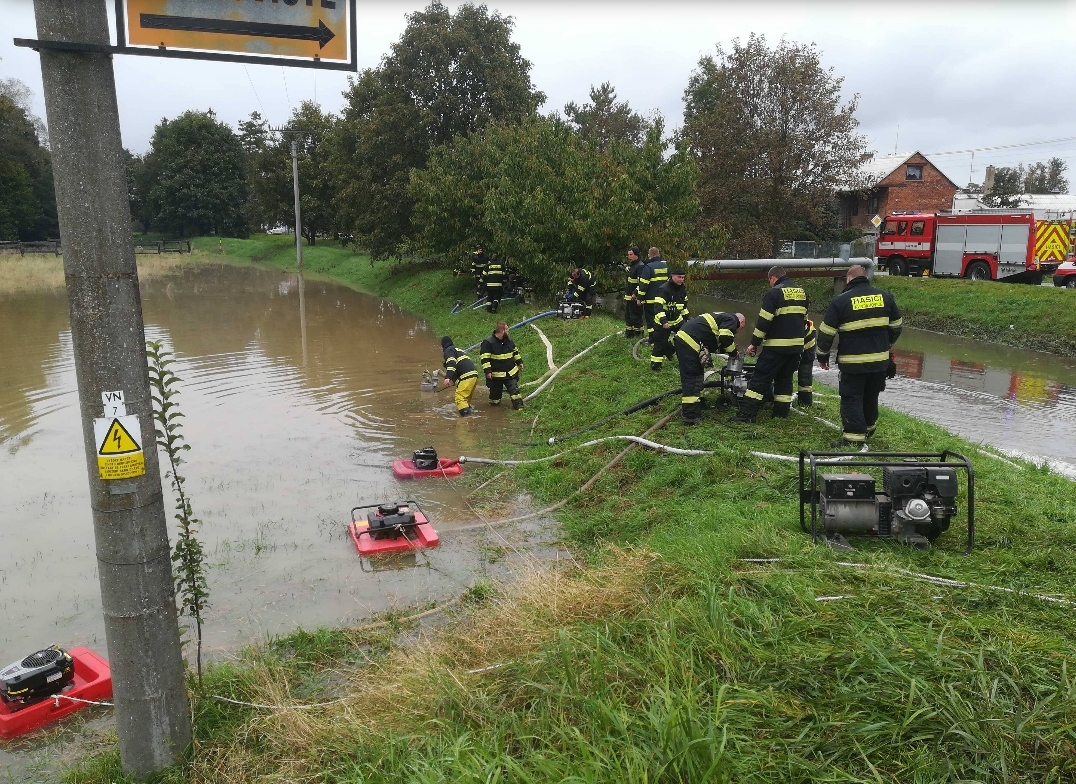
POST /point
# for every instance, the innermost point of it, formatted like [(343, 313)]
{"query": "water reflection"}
[(1019, 400)]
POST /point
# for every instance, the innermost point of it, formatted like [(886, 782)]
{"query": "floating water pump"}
[(39, 675), (915, 507), (392, 527)]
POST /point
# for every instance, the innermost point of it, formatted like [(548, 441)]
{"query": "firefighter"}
[(670, 311), (653, 276), (634, 326), (581, 287), (805, 393), (779, 330), (459, 370), (493, 282), (695, 341), (502, 365), (478, 267), (869, 323)]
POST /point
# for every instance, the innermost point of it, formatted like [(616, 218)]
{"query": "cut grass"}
[(668, 657)]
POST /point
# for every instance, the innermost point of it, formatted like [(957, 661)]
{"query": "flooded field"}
[(1023, 402), (292, 421)]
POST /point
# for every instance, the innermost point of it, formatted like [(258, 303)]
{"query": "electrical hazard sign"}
[(313, 33), (119, 447)]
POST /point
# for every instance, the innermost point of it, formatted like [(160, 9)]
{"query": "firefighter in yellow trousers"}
[(459, 369)]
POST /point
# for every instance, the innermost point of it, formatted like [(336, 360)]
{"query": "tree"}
[(448, 75), (772, 139), (254, 138), (317, 183), (1006, 190), (603, 119), (27, 195), (1048, 177), (195, 177), (547, 199)]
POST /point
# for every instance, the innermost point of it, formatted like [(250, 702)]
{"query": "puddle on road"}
[(1017, 400), (292, 421)]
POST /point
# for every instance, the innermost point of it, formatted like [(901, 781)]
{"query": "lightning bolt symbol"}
[(116, 438)]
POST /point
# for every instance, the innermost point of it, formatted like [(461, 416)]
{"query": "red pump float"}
[(398, 527), (34, 691)]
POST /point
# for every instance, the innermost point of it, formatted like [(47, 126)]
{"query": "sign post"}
[(133, 553)]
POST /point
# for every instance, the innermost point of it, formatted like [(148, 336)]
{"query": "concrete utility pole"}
[(133, 552), (295, 189)]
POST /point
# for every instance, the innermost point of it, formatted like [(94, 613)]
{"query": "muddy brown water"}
[(1022, 402), (292, 421)]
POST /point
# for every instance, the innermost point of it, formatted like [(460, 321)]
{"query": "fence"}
[(162, 246), (863, 247), (22, 248)]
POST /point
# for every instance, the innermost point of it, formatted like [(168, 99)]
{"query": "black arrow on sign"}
[(193, 24)]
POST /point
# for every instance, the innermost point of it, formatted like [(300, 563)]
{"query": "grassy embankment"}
[(42, 272), (666, 657), (1041, 318)]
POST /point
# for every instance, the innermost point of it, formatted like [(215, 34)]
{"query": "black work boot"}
[(517, 405), (465, 412), (805, 398)]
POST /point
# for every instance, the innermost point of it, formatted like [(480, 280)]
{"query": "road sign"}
[(119, 447), (876, 221), (313, 33)]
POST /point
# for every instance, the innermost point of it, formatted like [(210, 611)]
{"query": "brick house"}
[(895, 183)]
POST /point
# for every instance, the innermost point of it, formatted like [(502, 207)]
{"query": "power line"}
[(1005, 146), (255, 89)]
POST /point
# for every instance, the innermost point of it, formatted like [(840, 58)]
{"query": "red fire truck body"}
[(986, 245)]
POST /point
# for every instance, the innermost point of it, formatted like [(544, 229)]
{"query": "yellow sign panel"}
[(317, 31), (868, 301), (1051, 241), (119, 447)]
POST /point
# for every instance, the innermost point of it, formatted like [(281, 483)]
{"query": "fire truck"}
[(981, 245)]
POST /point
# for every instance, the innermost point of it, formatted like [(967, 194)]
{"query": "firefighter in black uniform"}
[(670, 311), (869, 323), (779, 330), (710, 333), (478, 267), (493, 281), (805, 393), (581, 287), (502, 365), (634, 325), (652, 278)]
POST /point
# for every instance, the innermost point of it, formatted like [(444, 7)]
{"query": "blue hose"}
[(459, 307), (520, 324)]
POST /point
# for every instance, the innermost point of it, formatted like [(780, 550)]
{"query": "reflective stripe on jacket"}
[(500, 357), (670, 305), (458, 366), (869, 323), (582, 284), (634, 273), (493, 275), (716, 331), (653, 276), (780, 323)]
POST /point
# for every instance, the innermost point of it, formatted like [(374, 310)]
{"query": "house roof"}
[(881, 166)]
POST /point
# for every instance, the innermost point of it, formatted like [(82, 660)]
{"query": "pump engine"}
[(39, 675), (571, 309), (390, 521), (914, 508), (733, 380)]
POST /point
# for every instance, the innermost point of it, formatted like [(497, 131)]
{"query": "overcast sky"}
[(952, 75)]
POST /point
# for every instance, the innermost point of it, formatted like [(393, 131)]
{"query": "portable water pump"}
[(734, 378), (915, 507), (571, 309), (391, 520), (39, 675)]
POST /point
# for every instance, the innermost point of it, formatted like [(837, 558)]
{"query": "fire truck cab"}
[(986, 245)]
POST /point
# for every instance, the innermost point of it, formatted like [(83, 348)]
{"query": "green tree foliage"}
[(1012, 182), (448, 75), (194, 177), (1007, 188), (273, 187), (547, 199), (605, 119), (1048, 177), (254, 137), (27, 195), (773, 140)]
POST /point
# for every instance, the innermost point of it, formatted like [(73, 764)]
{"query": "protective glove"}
[(823, 361), (705, 358), (891, 370)]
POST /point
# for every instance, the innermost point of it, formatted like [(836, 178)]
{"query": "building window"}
[(914, 173), (872, 204), (917, 228)]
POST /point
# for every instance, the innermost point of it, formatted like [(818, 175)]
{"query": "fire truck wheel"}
[(898, 267), (1070, 283), (978, 270)]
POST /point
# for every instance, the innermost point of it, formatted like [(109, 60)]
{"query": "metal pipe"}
[(835, 262)]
